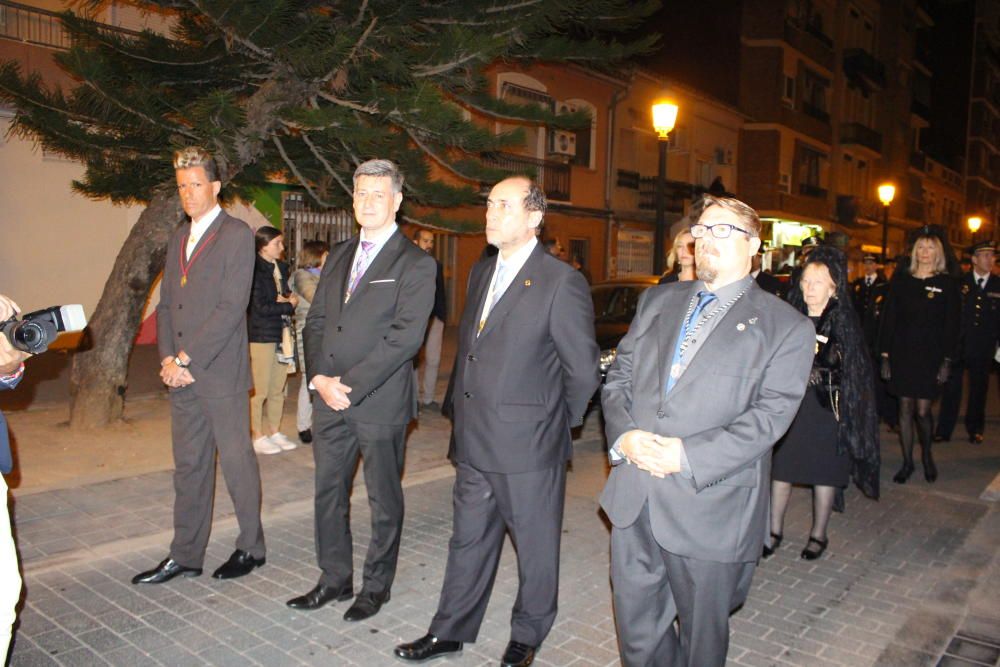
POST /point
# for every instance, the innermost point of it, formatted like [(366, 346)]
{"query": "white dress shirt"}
[(198, 228)]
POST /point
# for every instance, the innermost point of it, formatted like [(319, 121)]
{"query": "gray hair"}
[(196, 156), (743, 212), (380, 169)]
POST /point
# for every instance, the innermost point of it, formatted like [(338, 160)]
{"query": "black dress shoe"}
[(768, 551), (904, 473), (427, 648), (366, 605), (320, 595), (976, 438), (306, 436), (517, 655), (813, 554), (165, 571), (239, 564)]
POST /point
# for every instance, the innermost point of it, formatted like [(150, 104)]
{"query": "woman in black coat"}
[(917, 342), (834, 436), (271, 307)]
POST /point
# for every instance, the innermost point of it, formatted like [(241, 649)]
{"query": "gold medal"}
[(184, 281), (930, 295)]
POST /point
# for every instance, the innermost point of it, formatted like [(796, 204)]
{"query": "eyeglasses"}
[(719, 231)]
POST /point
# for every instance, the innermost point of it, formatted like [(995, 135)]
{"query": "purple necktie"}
[(360, 266)]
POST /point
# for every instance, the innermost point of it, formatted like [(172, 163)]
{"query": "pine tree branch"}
[(346, 103), (149, 119), (298, 174), (496, 115), (326, 165), (354, 49), (438, 158), (231, 34), (361, 12), (425, 71), (511, 8)]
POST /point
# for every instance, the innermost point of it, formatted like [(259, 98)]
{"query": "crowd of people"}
[(798, 375)]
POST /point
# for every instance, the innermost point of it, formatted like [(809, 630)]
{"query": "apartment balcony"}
[(811, 42), (40, 27), (810, 190), (856, 212), (815, 112), (674, 194), (918, 160), (860, 135), (553, 177), (863, 66), (915, 210), (920, 108)]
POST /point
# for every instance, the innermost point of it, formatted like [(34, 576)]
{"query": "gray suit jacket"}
[(207, 317), (518, 387), (737, 397), (370, 340)]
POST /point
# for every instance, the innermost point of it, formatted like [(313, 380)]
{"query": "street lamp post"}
[(886, 192), (974, 222), (664, 119)]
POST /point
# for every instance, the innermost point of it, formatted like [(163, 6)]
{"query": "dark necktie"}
[(704, 298), (982, 283)]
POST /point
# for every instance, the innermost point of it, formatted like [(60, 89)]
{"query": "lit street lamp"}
[(664, 119), (886, 192), (974, 222)]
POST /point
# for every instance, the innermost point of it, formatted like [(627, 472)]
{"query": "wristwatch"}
[(181, 364)]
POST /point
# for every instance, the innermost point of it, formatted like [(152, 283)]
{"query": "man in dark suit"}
[(201, 330), (765, 280), (526, 367), (708, 378), (868, 293), (365, 326), (980, 330)]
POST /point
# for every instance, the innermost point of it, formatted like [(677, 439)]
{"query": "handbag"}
[(286, 348)]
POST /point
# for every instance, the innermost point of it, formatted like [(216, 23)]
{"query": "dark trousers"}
[(201, 427), (337, 443), (978, 371), (652, 587), (487, 505)]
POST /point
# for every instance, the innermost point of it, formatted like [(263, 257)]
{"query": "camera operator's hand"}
[(7, 308), (10, 357)]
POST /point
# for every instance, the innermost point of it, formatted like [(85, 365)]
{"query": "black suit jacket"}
[(769, 283), (207, 316), (370, 341), (980, 327), (518, 387)]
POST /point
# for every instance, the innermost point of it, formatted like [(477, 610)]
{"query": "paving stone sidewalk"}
[(905, 580)]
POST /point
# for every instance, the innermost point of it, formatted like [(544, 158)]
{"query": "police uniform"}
[(980, 329), (869, 301)]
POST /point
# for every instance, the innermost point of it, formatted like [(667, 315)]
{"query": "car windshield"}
[(616, 303)]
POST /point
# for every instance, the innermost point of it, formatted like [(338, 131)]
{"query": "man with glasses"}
[(708, 378)]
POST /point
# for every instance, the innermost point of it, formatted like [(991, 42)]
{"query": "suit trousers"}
[(200, 428), (652, 587), (430, 360), (269, 378), (975, 406), (337, 443), (486, 506)]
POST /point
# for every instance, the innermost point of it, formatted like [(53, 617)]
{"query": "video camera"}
[(34, 332)]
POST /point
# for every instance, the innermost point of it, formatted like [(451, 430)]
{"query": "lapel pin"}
[(741, 326), (527, 283), (753, 320)]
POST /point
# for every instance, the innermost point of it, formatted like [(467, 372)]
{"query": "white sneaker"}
[(282, 441), (263, 445)]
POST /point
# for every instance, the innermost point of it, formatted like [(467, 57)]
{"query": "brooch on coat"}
[(931, 291)]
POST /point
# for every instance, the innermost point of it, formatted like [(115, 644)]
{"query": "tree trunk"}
[(98, 378)]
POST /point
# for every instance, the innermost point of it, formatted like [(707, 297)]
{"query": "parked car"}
[(615, 303)]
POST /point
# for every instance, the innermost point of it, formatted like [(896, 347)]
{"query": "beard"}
[(705, 267), (706, 273)]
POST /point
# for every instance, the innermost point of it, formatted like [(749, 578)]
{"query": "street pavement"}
[(912, 579)]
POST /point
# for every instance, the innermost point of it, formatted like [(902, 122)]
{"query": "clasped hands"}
[(173, 375), (332, 391), (656, 454)]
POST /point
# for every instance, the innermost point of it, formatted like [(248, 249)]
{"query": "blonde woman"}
[(917, 343), (680, 259)]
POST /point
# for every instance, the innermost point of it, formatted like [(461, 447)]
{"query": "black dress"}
[(808, 452), (919, 329)]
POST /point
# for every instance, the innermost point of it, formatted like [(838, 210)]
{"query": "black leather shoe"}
[(904, 473), (813, 554), (165, 571), (768, 551), (239, 564), (306, 436), (427, 648), (366, 605), (320, 595), (517, 655)]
